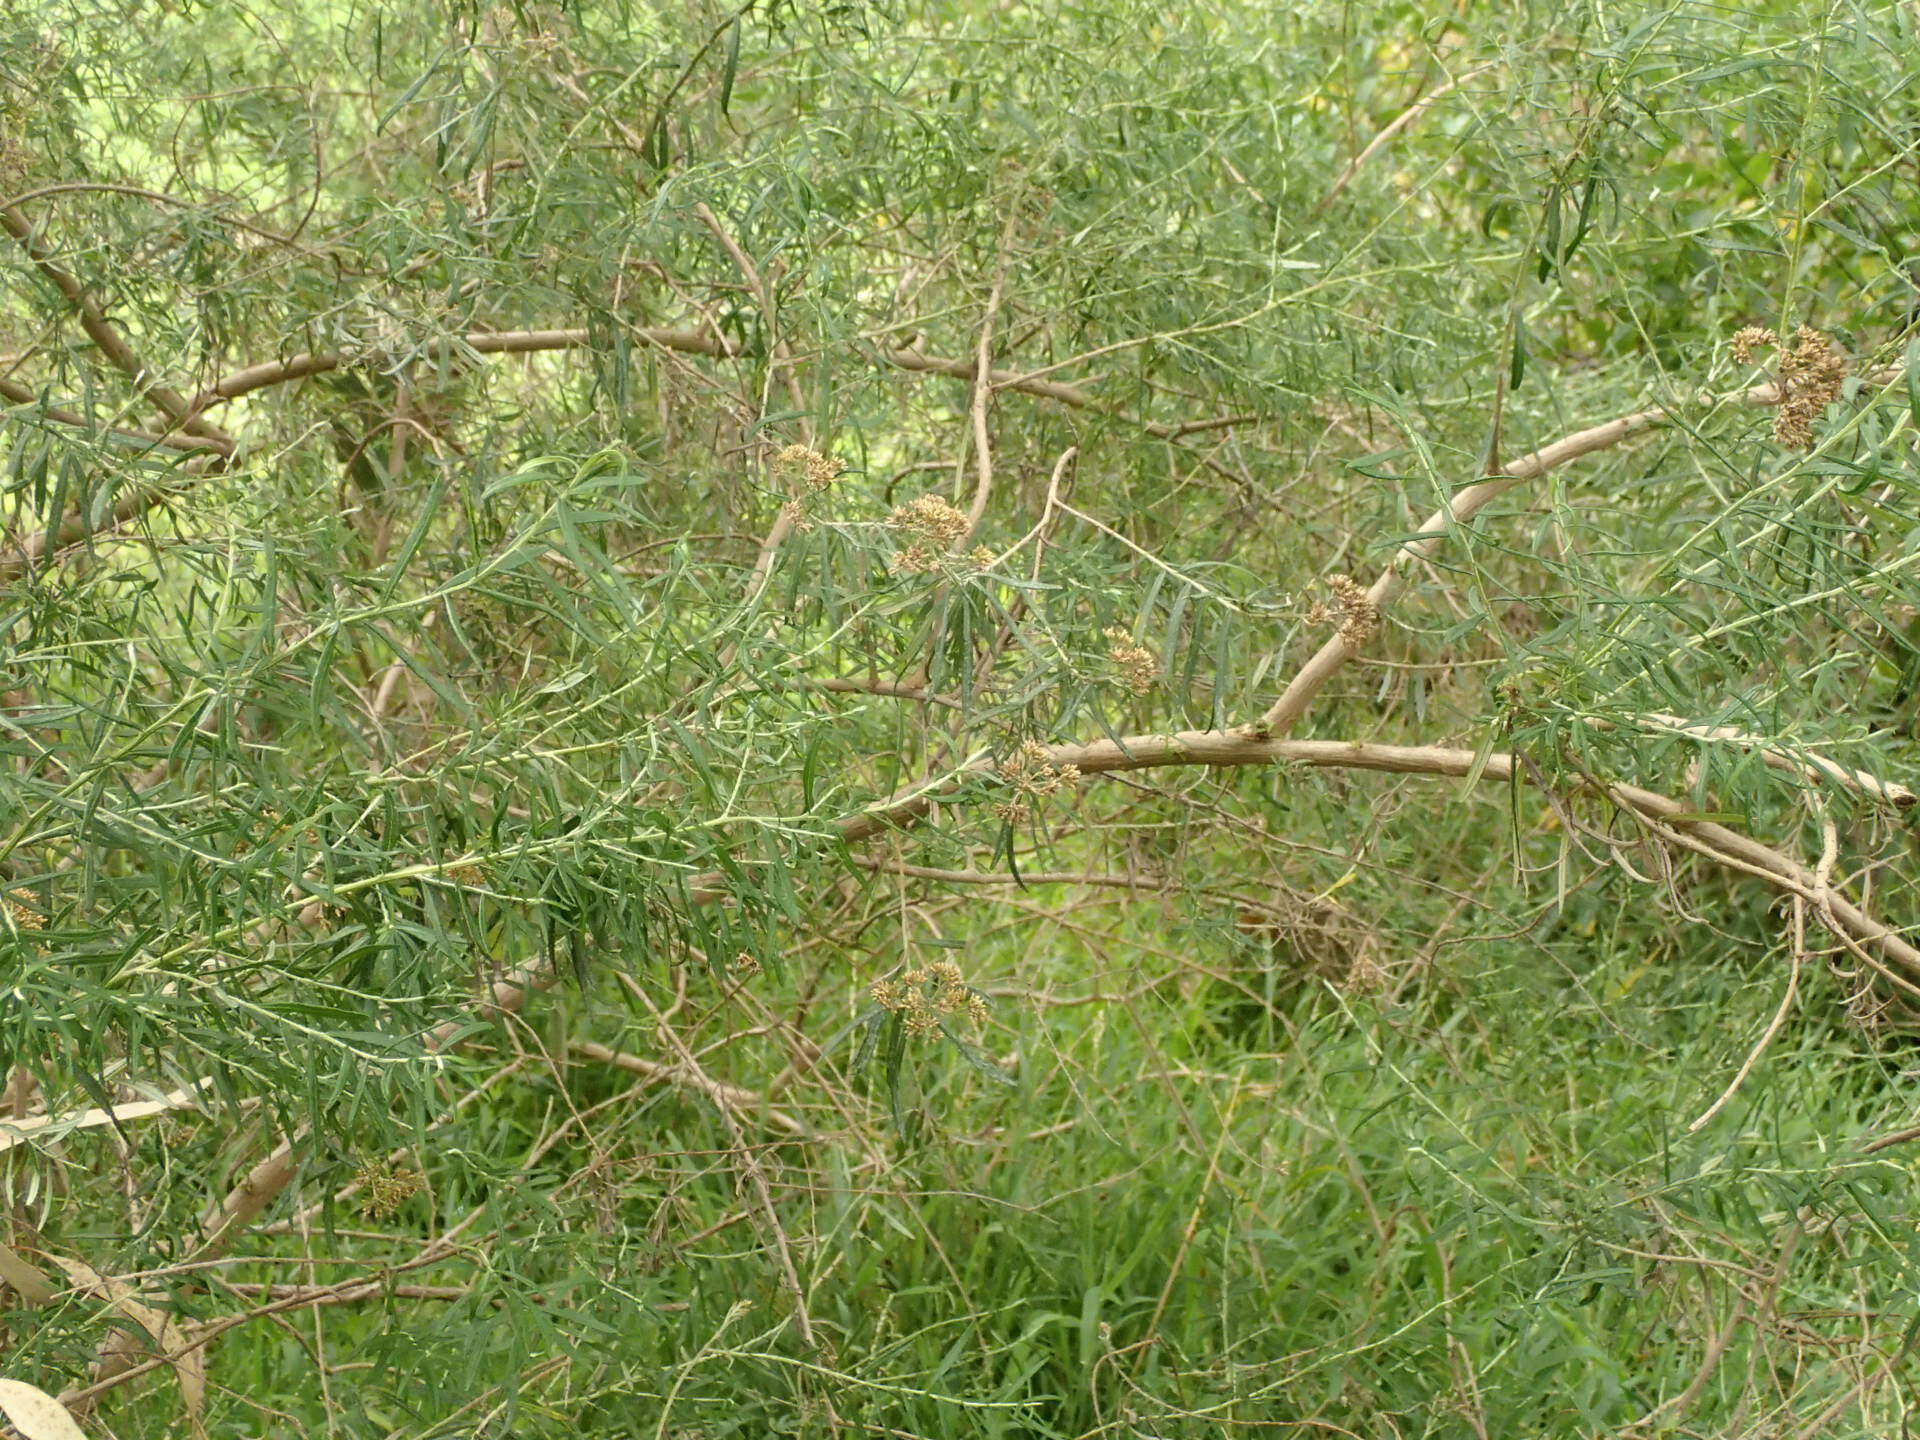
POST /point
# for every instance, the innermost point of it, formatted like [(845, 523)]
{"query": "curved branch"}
[(485, 342), (132, 503), (181, 202), (188, 415), (687, 342), (1728, 848), (1791, 760), (110, 342), (1292, 704)]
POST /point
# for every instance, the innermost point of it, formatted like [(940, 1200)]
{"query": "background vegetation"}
[(594, 600)]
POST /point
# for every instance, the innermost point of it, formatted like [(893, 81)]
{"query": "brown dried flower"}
[(916, 559), (939, 527), (922, 1022), (1136, 663), (932, 518), (1352, 606), (1750, 339), (814, 471), (922, 996), (385, 1188), (1032, 771), (1366, 976), (1810, 374), (1032, 775)]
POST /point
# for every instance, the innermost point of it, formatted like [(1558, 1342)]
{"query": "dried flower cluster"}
[(20, 907), (937, 525), (814, 471), (1810, 373), (811, 472), (385, 1189), (1359, 617), (1033, 776), (1366, 976), (922, 997), (1312, 937), (1136, 663)]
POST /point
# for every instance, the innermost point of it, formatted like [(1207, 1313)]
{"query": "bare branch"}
[(718, 1091), (1285, 712), (1725, 847), (106, 337), (25, 395)]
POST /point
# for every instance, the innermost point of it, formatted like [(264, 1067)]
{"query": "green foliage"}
[(485, 602)]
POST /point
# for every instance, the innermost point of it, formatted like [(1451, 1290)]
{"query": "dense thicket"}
[(957, 718)]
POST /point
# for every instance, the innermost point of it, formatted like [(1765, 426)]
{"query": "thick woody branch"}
[(105, 336), (1728, 848), (25, 395), (1285, 712)]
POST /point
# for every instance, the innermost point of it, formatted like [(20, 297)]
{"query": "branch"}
[(262, 1184), (689, 342), (887, 688), (132, 502), (722, 1095), (1788, 759), (1292, 704), (484, 342), (269, 373), (780, 363), (1400, 122), (1727, 848), (97, 187), (26, 395), (109, 340), (983, 391)]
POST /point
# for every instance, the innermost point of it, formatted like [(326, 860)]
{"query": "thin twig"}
[(983, 390), (750, 1167), (1393, 127), (732, 1097), (780, 364)]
